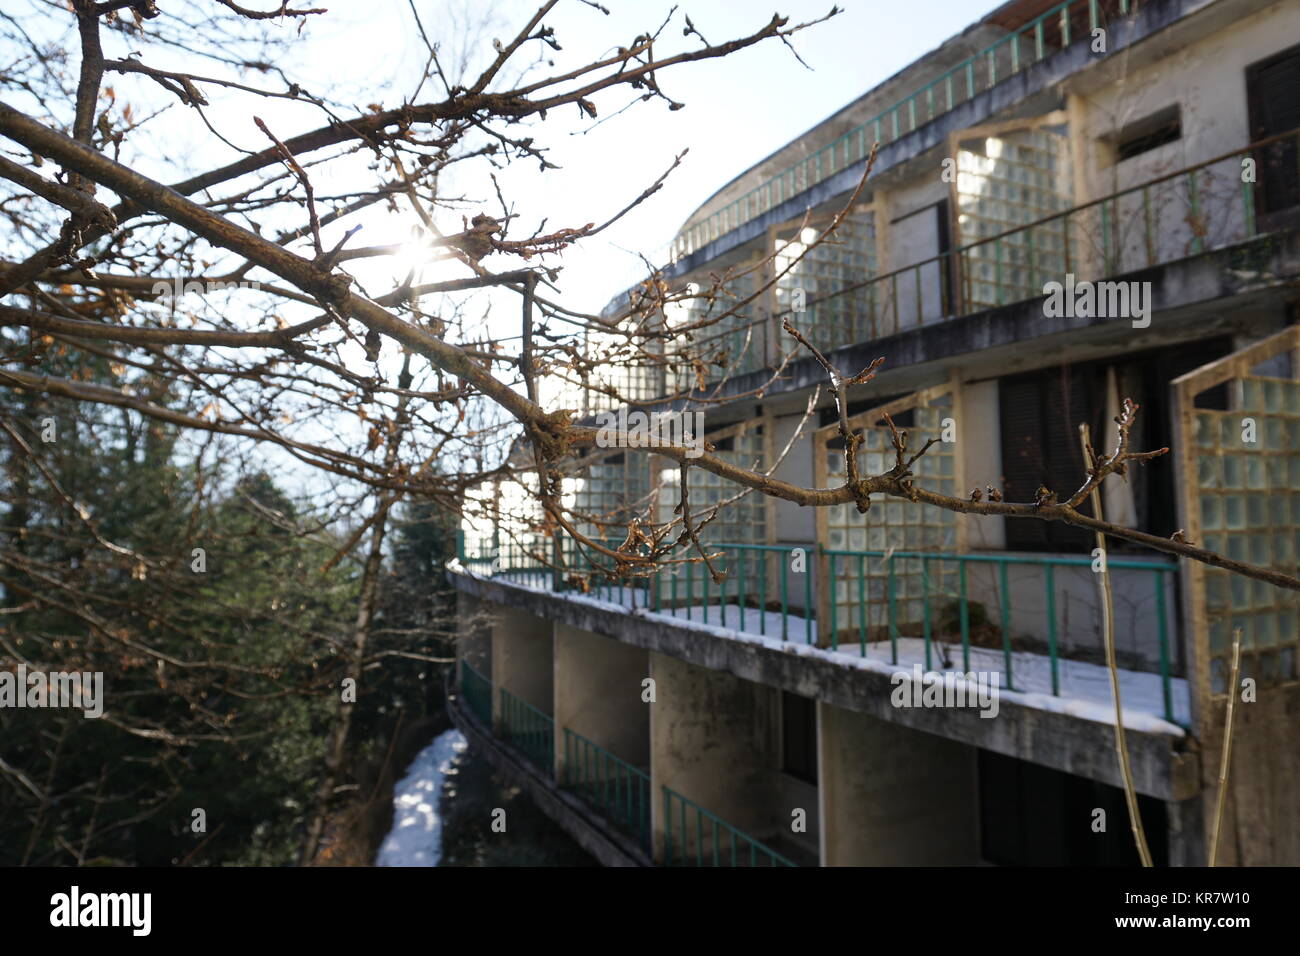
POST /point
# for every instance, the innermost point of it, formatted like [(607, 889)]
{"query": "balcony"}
[(1032, 620), (1226, 205)]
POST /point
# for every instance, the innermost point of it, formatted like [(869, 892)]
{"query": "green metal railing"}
[(758, 577), (538, 561), (529, 730), (931, 565), (763, 594), (1053, 30), (480, 560), (613, 786), (477, 691), (695, 837), (524, 561), (760, 580)]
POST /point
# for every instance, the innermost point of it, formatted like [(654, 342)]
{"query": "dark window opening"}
[(1040, 415), (1213, 398), (944, 227), (799, 737), (1036, 816), (904, 419), (1273, 109), (1146, 134), (1153, 483)]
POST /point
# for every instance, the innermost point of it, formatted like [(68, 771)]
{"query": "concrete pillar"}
[(1088, 152), (598, 694), (893, 796), (713, 740), (521, 659)]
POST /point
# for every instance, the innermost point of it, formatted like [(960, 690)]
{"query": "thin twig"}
[(1108, 632), (1226, 758)]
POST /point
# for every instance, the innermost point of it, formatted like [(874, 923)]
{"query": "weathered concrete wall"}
[(1205, 78), (906, 200), (908, 222), (790, 794), (598, 694), (714, 740), (1261, 825), (892, 796), (522, 659), (1187, 845)]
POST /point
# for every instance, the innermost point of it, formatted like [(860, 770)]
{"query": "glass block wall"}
[(1249, 505), (734, 345), (511, 519), (608, 493), (860, 589), (1005, 182), (624, 367), (743, 522), (849, 258), (601, 497)]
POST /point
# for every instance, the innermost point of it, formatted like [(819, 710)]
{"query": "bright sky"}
[(738, 109)]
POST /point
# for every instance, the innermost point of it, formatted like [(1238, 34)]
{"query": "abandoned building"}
[(1146, 152)]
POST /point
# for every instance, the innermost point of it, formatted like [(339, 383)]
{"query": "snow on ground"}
[(1085, 688), (416, 836)]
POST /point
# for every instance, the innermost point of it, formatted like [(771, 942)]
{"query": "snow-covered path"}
[(416, 836)]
